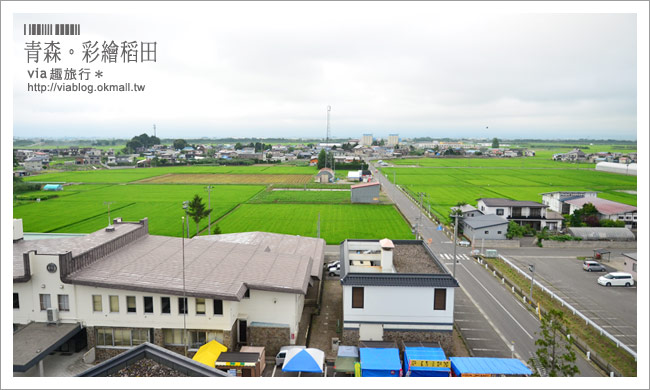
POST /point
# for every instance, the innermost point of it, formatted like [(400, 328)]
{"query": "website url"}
[(88, 88)]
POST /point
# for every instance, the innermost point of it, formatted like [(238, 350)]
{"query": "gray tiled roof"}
[(496, 202), (389, 279), (483, 221)]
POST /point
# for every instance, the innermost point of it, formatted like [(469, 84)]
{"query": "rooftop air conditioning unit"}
[(52, 316)]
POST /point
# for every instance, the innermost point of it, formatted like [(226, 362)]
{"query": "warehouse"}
[(365, 193), (607, 209), (488, 227), (624, 169)]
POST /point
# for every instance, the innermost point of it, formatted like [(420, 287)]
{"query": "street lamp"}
[(109, 212), (209, 188), (186, 205), (531, 267), (455, 235), (184, 294)]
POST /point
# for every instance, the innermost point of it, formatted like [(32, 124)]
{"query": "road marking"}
[(465, 256), (617, 326), (497, 301), (449, 263), (461, 312), (478, 339), (475, 330), (467, 320), (485, 349)]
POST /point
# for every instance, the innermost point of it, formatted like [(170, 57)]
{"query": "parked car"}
[(279, 358), (463, 243), (616, 279), (334, 270), (333, 263), (590, 265)]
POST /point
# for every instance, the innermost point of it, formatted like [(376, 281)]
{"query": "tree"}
[(555, 353), (322, 156), (179, 143), (495, 143), (217, 230), (197, 211), (239, 146)]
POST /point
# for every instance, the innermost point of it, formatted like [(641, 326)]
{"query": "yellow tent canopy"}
[(209, 353)]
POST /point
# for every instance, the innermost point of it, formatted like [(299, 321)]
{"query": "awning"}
[(209, 353), (426, 361), (304, 360), (35, 341), (380, 362), (476, 366)]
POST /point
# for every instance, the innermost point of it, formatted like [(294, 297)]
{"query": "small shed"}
[(346, 358), (479, 366), (325, 175), (53, 187), (426, 361), (365, 193), (354, 175), (245, 364), (380, 362)]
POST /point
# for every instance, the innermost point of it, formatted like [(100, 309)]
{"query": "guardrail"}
[(573, 309)]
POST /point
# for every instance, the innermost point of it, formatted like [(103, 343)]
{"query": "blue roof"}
[(52, 186), (424, 353), (380, 359), (492, 366)]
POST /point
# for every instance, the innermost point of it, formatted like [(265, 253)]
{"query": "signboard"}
[(431, 363)]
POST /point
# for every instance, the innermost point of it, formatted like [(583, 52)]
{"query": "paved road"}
[(612, 308), (509, 318)]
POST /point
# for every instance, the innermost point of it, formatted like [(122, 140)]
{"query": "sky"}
[(271, 70)]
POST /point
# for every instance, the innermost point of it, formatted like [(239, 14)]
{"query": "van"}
[(334, 270), (279, 358), (616, 279), (463, 243), (590, 265)]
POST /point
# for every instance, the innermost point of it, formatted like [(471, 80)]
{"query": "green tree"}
[(514, 230), (179, 144), (322, 156), (239, 146), (197, 211), (217, 229), (495, 143), (555, 353)]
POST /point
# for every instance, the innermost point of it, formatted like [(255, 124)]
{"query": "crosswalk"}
[(450, 256)]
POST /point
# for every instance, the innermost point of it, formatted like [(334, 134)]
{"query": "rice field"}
[(446, 187), (337, 222), (500, 162), (226, 178), (332, 197), (85, 212)]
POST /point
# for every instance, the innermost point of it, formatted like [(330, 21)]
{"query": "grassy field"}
[(447, 186), (226, 178), (135, 174), (331, 197), (84, 210), (338, 222), (504, 162)]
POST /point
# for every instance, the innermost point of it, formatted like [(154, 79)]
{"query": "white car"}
[(616, 279)]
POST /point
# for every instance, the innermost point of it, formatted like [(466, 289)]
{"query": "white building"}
[(393, 139), (529, 213), (366, 140), (624, 169), (388, 297), (556, 200), (124, 286), (607, 209)]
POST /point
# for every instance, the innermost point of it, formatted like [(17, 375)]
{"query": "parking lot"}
[(612, 308)]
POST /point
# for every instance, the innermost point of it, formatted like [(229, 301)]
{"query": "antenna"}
[(109, 211), (327, 139)]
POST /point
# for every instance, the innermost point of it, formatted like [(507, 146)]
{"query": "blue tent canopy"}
[(468, 366), (425, 353), (380, 362), (53, 187), (304, 360)]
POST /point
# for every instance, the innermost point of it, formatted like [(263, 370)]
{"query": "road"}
[(509, 318)]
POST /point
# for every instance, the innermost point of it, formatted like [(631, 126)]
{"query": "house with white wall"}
[(395, 290), (124, 287), (556, 200), (529, 213)]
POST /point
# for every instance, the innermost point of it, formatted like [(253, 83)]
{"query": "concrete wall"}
[(272, 338), (492, 232), (399, 304), (273, 307), (487, 244), (368, 194), (590, 244), (443, 337)]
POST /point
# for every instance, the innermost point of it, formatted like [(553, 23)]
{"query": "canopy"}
[(209, 353), (348, 351), (380, 362), (476, 366), (345, 363), (304, 360), (417, 360)]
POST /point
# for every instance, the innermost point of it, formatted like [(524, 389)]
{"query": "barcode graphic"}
[(50, 29)]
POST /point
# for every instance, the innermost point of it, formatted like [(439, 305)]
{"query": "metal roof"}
[(604, 206), (374, 183), (389, 279), (483, 221), (496, 202), (35, 341), (602, 233)]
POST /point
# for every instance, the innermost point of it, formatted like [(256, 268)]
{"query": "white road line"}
[(446, 256), (478, 338), (457, 320), (461, 312), (449, 263), (497, 301), (485, 349), (617, 326), (475, 330), (465, 256)]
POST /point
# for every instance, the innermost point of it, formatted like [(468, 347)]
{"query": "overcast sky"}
[(271, 70)]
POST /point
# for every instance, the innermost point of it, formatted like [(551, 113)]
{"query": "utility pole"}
[(109, 212), (318, 227), (186, 204), (184, 294), (420, 217), (455, 234), (209, 188), (531, 267)]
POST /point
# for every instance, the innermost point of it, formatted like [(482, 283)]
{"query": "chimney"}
[(387, 247), (18, 230)]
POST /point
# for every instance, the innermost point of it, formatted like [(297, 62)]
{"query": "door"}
[(241, 334)]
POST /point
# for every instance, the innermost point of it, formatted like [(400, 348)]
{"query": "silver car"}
[(590, 265)]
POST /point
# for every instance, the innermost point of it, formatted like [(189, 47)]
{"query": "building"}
[(607, 209), (556, 201), (393, 139), (53, 187), (355, 175), (35, 163), (467, 211), (126, 287), (630, 263), (366, 140), (624, 169), (395, 291), (325, 175), (488, 227), (529, 213), (602, 233), (365, 193)]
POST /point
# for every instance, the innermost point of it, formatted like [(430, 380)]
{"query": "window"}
[(440, 299), (218, 307), (499, 232), (121, 337), (165, 306), (499, 211), (97, 303), (45, 301), (200, 306), (114, 303), (64, 302), (16, 301), (247, 294), (182, 305), (357, 297), (148, 304), (173, 336), (130, 304), (487, 232), (199, 337), (633, 269)]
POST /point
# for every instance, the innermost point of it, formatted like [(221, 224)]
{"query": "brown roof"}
[(374, 183)]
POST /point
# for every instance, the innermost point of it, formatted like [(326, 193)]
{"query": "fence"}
[(581, 345)]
